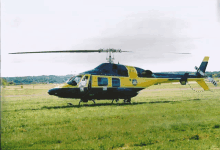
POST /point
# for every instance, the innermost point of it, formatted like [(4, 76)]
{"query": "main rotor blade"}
[(63, 51), (179, 53), (73, 51)]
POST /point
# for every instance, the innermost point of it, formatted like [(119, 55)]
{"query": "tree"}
[(214, 75), (11, 83), (4, 82)]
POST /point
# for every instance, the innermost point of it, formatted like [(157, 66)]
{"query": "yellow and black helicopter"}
[(110, 81)]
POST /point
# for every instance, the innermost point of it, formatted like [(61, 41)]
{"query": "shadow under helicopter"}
[(101, 104), (112, 104)]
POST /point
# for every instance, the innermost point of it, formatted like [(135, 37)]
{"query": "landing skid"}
[(128, 100), (70, 104)]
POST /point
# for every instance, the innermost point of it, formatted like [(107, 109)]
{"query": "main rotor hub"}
[(110, 51)]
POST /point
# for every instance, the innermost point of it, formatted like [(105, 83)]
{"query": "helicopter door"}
[(84, 83)]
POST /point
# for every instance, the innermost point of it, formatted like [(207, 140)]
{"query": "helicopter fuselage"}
[(114, 81)]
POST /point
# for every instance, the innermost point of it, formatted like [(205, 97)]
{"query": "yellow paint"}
[(203, 85), (126, 82), (132, 73), (65, 85), (206, 59)]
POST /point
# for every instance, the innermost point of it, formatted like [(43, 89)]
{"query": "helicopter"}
[(110, 81)]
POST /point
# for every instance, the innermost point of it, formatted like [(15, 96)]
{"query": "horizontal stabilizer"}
[(203, 85)]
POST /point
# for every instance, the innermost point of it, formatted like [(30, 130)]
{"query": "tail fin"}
[(201, 73), (204, 64), (202, 67)]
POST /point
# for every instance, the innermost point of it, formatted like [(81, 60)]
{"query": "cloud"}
[(150, 36)]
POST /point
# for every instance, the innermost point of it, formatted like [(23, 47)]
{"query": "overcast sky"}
[(150, 29)]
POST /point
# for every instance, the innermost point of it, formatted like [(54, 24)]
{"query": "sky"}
[(153, 30)]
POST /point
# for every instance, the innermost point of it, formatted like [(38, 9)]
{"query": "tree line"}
[(35, 80)]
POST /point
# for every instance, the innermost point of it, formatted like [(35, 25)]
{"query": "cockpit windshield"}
[(74, 80)]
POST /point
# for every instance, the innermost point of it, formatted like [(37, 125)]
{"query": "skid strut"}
[(93, 101), (128, 100), (80, 101), (115, 100)]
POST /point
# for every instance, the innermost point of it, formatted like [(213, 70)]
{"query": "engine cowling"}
[(147, 73)]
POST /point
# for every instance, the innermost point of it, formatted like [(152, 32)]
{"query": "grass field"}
[(169, 116)]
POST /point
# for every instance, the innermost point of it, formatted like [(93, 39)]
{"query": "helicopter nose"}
[(63, 92), (53, 91)]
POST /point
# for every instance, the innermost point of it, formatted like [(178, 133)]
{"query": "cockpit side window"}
[(74, 81), (102, 81), (115, 82)]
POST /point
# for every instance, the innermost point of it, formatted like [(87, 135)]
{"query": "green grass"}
[(168, 116)]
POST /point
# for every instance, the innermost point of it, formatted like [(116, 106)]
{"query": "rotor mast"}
[(109, 57)]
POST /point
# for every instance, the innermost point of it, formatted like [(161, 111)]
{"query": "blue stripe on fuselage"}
[(170, 75)]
